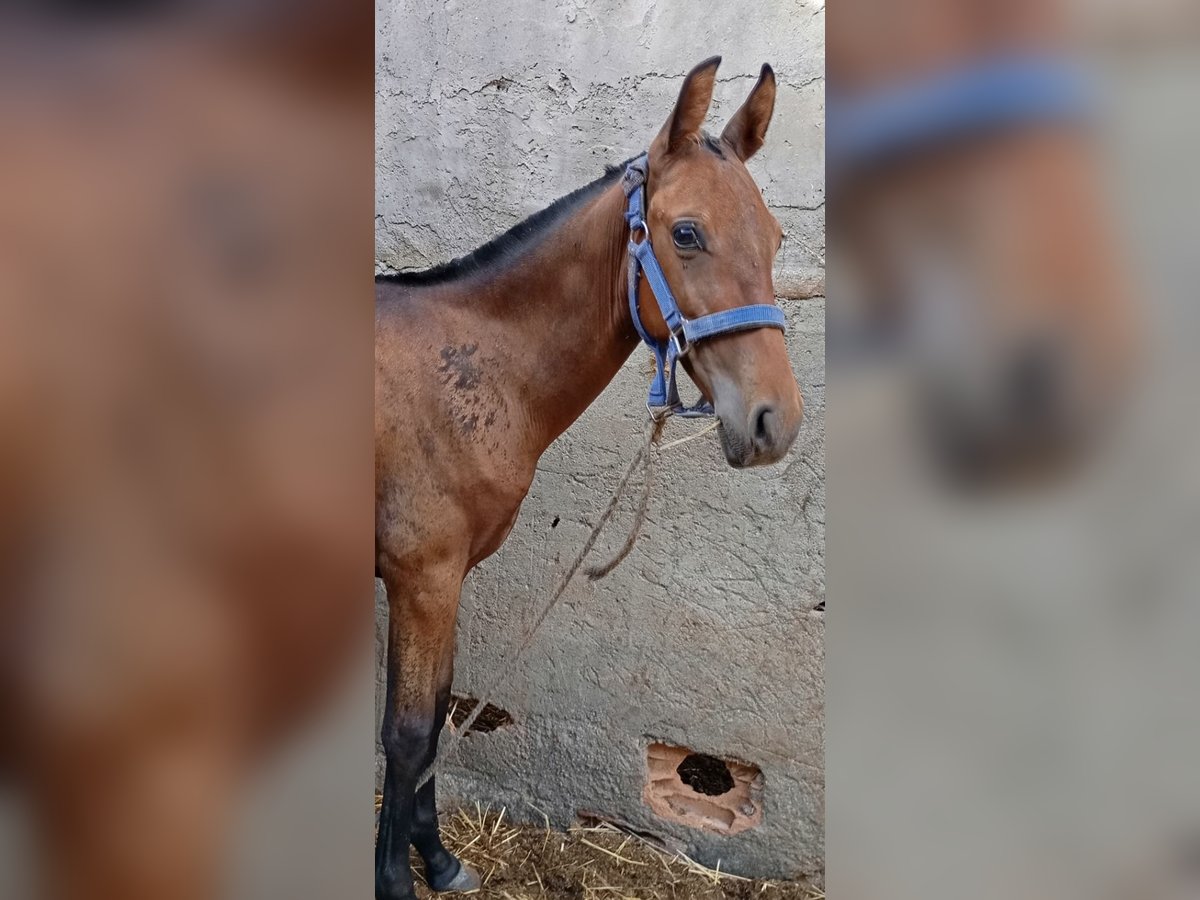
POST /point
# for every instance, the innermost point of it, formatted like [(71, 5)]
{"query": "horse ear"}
[(691, 107), (748, 127)]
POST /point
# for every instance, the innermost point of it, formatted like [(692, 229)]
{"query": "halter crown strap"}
[(1000, 92), (664, 399)]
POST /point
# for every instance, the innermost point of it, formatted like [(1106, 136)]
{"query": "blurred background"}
[(185, 452), (1012, 671)]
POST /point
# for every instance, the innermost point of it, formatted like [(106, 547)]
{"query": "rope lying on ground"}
[(645, 456)]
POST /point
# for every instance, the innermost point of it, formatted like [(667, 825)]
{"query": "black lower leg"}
[(405, 743), (441, 866), (393, 876)]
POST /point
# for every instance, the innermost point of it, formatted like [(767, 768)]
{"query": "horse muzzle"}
[(761, 436)]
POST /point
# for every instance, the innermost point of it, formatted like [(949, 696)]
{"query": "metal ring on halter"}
[(635, 227), (680, 342)]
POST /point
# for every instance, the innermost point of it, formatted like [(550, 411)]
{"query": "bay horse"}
[(481, 363)]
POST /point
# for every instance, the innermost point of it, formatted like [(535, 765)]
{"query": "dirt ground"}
[(525, 862)]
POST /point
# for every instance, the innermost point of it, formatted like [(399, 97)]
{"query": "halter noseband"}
[(664, 399)]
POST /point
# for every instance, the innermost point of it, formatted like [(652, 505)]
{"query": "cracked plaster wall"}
[(708, 635), (486, 112)]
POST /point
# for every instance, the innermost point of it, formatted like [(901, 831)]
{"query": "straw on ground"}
[(594, 862)]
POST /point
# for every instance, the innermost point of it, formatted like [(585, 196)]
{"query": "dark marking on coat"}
[(456, 366)]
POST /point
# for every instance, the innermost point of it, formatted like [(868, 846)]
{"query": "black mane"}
[(510, 244)]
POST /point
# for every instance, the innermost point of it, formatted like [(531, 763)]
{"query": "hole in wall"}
[(703, 791), (554, 524), (489, 719), (705, 774)]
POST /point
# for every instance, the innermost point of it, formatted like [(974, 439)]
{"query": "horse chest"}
[(489, 540), (492, 512)]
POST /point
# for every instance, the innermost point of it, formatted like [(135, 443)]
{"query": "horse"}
[(481, 363), (969, 215)]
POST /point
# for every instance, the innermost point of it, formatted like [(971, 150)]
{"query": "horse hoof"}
[(465, 880)]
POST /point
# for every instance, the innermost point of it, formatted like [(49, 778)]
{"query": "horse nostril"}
[(764, 421)]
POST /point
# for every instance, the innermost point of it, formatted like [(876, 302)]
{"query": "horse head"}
[(716, 241)]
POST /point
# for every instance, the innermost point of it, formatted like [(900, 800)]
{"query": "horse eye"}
[(687, 237)]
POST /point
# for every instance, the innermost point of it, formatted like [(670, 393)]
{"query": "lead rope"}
[(645, 456), (595, 573)]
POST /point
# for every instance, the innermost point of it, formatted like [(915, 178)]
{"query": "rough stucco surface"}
[(486, 112), (707, 636)]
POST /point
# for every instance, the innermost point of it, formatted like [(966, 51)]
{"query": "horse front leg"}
[(422, 609), (443, 870)]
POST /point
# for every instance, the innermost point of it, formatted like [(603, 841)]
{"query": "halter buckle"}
[(680, 342)]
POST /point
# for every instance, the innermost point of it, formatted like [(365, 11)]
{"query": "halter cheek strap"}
[(664, 393)]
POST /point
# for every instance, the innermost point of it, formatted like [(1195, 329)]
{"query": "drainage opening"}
[(703, 791), (489, 719), (705, 774)]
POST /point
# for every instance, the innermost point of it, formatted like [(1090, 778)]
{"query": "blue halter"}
[(664, 393), (991, 95)]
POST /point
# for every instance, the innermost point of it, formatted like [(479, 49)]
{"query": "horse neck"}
[(565, 307)]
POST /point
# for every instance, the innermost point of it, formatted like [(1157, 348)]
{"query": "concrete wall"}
[(487, 111), (708, 636)]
